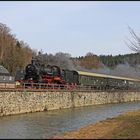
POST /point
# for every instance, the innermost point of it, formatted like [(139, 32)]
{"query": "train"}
[(38, 73)]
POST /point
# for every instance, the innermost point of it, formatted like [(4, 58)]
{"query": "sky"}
[(74, 27)]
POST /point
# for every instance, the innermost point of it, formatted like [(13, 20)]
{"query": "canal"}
[(43, 125)]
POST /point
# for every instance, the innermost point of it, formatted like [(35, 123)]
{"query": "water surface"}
[(43, 125)]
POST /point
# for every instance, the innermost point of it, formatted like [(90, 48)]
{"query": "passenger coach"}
[(107, 81)]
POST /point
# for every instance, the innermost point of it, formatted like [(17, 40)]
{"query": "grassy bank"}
[(125, 126)]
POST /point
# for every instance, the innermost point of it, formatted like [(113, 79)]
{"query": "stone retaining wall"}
[(23, 102)]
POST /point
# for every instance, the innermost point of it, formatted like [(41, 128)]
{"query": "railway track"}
[(44, 87)]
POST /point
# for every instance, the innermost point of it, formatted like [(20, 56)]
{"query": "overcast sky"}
[(73, 27)]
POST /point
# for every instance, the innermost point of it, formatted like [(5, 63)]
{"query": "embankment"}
[(16, 102)]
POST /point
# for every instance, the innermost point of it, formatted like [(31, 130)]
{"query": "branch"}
[(134, 45)]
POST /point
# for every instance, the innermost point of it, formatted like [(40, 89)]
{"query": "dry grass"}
[(126, 126)]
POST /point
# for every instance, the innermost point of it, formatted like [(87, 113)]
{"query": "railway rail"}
[(38, 87)]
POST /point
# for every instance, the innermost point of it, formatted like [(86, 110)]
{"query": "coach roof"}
[(105, 76)]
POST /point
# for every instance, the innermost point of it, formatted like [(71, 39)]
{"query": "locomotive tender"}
[(41, 73)]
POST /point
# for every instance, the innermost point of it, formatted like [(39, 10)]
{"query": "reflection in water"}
[(46, 124)]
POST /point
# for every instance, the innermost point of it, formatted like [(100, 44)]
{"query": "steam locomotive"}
[(46, 74), (41, 73)]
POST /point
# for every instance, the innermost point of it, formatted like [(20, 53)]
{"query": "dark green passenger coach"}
[(107, 81)]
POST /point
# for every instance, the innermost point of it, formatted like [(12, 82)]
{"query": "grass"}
[(129, 129), (125, 126)]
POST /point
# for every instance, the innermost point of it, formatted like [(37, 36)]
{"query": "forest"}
[(15, 54)]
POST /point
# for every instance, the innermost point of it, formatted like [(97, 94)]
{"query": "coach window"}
[(82, 79), (79, 78), (91, 78), (88, 78)]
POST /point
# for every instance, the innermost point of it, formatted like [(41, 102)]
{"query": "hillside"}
[(16, 54), (120, 65)]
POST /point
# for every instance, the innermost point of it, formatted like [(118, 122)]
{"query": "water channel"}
[(43, 125)]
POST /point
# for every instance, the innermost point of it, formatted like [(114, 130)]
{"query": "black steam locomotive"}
[(41, 73)]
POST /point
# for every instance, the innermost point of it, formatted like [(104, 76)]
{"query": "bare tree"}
[(134, 44), (4, 36), (13, 53)]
